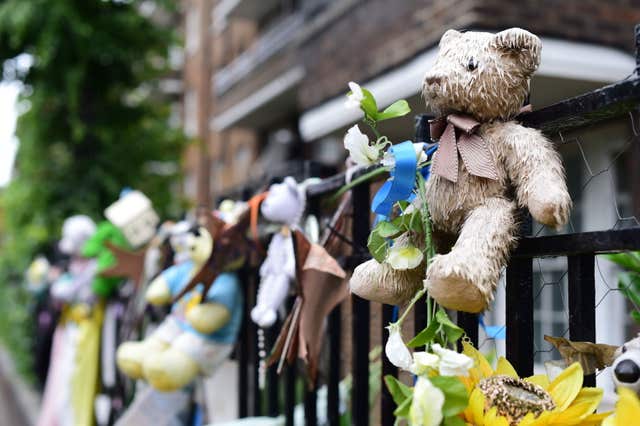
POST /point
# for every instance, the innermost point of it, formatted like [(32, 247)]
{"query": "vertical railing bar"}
[(289, 383), (272, 372), (242, 350), (333, 390), (520, 309), (289, 394), (387, 406), (361, 315), (582, 302), (256, 394), (310, 406), (469, 323)]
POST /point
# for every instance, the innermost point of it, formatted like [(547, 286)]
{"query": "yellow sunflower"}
[(627, 409), (500, 398)]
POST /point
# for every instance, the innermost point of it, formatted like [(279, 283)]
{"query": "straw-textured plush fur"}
[(485, 76)]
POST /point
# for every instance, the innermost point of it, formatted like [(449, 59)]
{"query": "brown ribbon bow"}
[(457, 134)]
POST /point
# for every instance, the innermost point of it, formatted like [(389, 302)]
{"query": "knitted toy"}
[(200, 331), (284, 204), (486, 167)]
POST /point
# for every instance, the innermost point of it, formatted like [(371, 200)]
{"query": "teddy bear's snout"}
[(433, 79), (627, 371)]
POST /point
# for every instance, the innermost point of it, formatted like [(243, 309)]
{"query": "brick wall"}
[(378, 35)]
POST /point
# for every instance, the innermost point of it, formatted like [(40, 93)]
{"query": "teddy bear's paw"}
[(552, 210), (379, 282), (451, 289), (263, 316), (170, 370), (129, 357)]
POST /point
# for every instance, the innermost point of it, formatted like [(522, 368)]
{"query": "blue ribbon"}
[(400, 185), (493, 331)]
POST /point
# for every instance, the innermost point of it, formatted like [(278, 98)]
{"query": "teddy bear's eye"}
[(472, 65), (624, 349)]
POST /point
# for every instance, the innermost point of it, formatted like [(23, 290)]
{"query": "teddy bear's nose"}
[(627, 371), (433, 79)]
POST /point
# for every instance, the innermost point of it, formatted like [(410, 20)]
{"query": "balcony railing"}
[(270, 43)]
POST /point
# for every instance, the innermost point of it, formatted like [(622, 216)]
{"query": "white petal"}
[(395, 349), (356, 91), (452, 363), (426, 407), (423, 361), (404, 257), (359, 149)]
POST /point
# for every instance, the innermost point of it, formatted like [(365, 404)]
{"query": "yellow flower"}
[(627, 409), (529, 404)]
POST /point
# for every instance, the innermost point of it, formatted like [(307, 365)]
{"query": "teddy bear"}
[(487, 165), (200, 331), (284, 204)]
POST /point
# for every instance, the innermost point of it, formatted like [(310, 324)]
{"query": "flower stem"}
[(357, 181)]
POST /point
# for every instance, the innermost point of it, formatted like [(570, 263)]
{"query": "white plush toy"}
[(75, 284), (285, 204), (626, 367)]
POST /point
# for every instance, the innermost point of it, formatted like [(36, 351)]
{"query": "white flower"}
[(452, 363), (357, 143), (426, 407), (395, 349), (404, 257), (389, 161), (355, 97), (423, 362)]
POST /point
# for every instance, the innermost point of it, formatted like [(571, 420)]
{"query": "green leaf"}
[(629, 260), (378, 246), (453, 421), (397, 109), (636, 316), (455, 394), (398, 390), (452, 331), (426, 336), (403, 409), (368, 105), (387, 229)]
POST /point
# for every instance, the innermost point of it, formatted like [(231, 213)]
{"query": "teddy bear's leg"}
[(465, 278), (130, 355), (170, 369), (271, 294), (379, 282)]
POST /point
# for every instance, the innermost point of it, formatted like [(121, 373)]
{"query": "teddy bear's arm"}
[(158, 292), (536, 170), (208, 317)]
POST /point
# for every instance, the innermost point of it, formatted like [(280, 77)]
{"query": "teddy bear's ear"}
[(448, 36), (521, 44)]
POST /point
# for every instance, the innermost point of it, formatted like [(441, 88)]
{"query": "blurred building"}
[(265, 82)]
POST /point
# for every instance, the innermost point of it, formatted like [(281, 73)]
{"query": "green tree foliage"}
[(93, 121)]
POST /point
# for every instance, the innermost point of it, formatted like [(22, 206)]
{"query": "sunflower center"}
[(515, 398)]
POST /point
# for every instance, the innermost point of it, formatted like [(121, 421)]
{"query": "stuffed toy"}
[(201, 329), (97, 247), (74, 284), (284, 204), (626, 365), (486, 167)]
